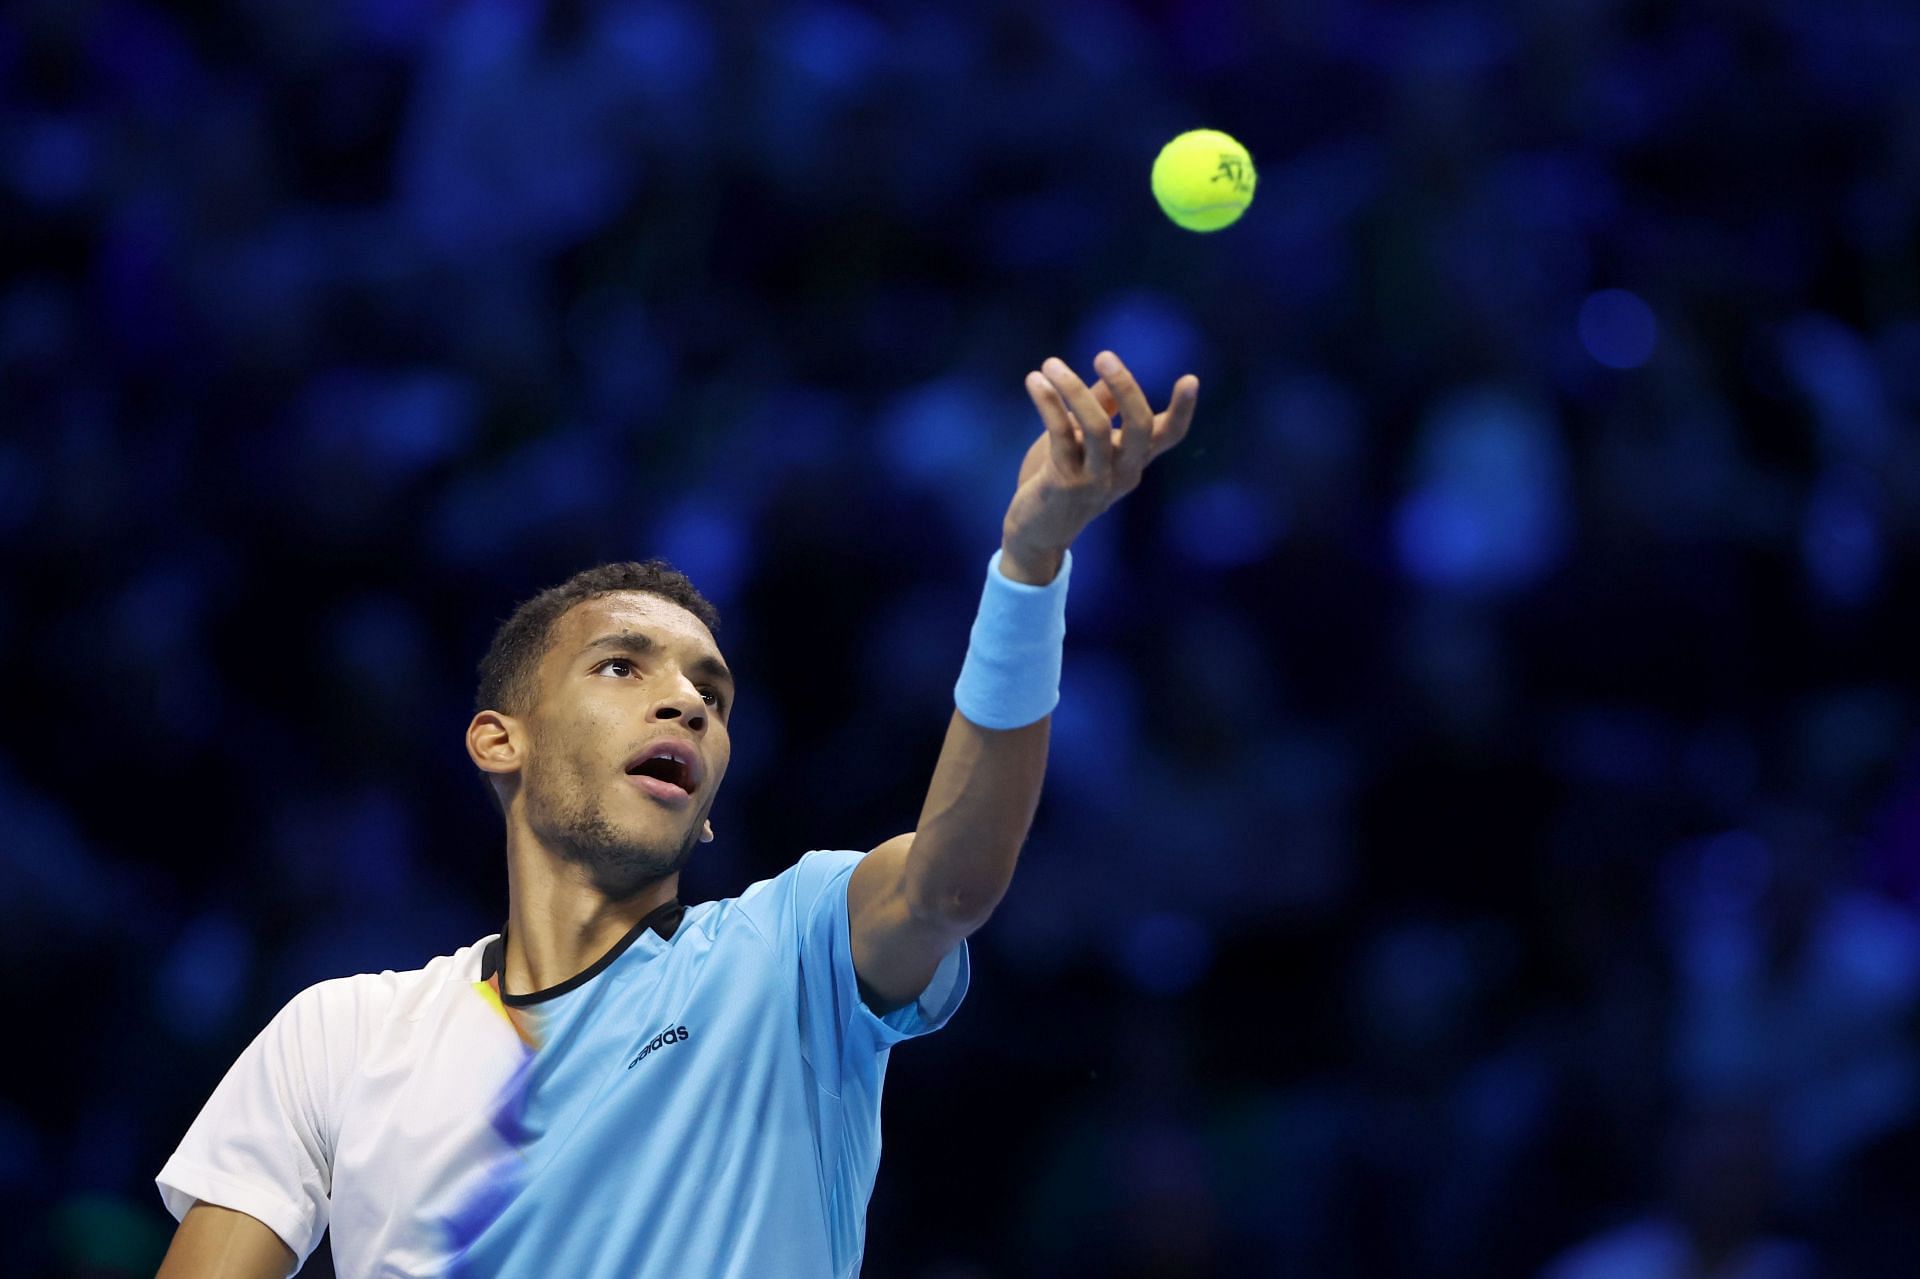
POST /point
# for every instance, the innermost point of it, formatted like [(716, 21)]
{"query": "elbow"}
[(960, 913), (958, 908)]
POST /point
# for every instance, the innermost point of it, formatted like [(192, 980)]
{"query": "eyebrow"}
[(636, 642)]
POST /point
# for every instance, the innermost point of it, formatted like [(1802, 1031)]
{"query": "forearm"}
[(985, 790), (213, 1242)]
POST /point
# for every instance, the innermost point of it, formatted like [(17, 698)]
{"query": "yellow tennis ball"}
[(1203, 179)]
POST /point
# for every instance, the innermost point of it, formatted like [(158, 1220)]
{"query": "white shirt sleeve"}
[(263, 1143)]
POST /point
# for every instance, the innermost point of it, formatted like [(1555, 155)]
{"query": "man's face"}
[(605, 693)]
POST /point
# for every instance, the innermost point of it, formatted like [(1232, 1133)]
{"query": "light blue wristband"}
[(1011, 677)]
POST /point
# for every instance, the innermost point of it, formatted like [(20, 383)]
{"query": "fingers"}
[(1069, 406), (1136, 416), (1096, 426), (1171, 427), (1065, 449)]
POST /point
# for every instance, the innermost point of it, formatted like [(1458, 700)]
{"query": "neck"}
[(559, 922)]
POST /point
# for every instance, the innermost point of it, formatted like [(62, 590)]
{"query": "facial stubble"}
[(570, 816)]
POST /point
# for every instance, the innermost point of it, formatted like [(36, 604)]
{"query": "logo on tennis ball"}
[(1237, 172), (1204, 179)]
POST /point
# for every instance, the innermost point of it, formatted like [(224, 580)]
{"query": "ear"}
[(494, 742)]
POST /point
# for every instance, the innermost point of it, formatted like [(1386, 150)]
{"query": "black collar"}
[(665, 920)]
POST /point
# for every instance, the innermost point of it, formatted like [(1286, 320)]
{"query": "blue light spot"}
[(699, 538), (1166, 953), (151, 65), (1836, 370), (204, 972), (1488, 508), (1226, 523), (1503, 1097), (1441, 537), (933, 430), (617, 342), (393, 24), (1153, 333), (1561, 188), (667, 49), (1840, 544), (834, 45), (395, 424), (1618, 329), (375, 848), (55, 882), (425, 418), (1417, 977), (160, 612), (553, 483), (1735, 869), (1313, 421), (502, 152), (52, 162)]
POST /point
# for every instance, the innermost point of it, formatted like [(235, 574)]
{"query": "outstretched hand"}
[(1082, 464)]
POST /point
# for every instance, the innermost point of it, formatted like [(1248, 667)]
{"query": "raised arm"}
[(912, 899), (219, 1243)]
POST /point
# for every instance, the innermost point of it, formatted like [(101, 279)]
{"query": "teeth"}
[(684, 767)]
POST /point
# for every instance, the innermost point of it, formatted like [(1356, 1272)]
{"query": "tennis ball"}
[(1203, 179)]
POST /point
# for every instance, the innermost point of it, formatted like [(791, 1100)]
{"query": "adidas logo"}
[(661, 1040)]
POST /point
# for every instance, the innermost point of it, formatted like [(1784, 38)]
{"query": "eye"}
[(714, 693)]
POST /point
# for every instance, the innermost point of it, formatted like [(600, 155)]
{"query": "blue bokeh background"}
[(1482, 834)]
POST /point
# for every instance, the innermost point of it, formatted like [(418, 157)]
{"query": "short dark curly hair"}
[(510, 671)]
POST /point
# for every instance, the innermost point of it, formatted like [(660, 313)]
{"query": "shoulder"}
[(806, 878), (816, 869), (364, 1000), (772, 906)]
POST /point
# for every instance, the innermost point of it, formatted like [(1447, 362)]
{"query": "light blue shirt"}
[(705, 1105)]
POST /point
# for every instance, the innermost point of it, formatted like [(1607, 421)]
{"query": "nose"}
[(684, 704)]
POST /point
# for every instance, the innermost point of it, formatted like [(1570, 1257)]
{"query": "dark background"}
[(1482, 831)]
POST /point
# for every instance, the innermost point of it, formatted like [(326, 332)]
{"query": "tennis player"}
[(618, 1083)]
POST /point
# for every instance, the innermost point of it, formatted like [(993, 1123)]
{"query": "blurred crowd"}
[(1482, 834)]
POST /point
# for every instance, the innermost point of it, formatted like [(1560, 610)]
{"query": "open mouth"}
[(660, 788), (668, 768)]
